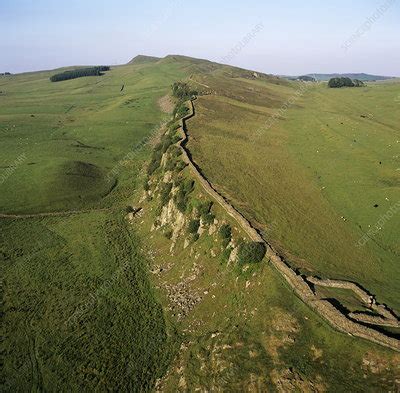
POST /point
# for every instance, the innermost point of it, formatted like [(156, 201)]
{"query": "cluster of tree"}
[(5, 73), (182, 91), (306, 78), (344, 82), (79, 72)]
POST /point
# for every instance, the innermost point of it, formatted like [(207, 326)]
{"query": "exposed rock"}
[(170, 215), (186, 243), (233, 255), (164, 159), (167, 177), (212, 229)]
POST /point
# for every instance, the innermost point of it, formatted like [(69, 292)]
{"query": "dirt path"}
[(304, 286)]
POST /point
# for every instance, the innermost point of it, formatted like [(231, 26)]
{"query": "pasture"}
[(314, 171)]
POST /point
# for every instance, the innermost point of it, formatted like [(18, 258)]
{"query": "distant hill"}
[(361, 76), (142, 59)]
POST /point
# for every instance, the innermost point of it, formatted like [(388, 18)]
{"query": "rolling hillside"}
[(98, 299)]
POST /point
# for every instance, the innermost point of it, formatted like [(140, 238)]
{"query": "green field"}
[(80, 312), (311, 179)]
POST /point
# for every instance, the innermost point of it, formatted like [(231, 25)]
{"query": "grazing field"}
[(79, 312), (70, 135), (316, 177)]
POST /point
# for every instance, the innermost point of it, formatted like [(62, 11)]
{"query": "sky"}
[(285, 37)]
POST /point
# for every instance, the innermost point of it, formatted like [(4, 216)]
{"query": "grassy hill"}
[(79, 308), (142, 59)]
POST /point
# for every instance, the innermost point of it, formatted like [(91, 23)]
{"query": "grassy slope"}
[(248, 332), (76, 123), (276, 176), (79, 311)]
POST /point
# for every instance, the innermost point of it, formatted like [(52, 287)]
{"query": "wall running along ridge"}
[(351, 324)]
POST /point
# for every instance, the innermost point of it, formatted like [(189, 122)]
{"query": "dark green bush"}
[(165, 193), (204, 208), (225, 231), (155, 162), (251, 252), (193, 226), (168, 233), (208, 218), (185, 187), (204, 212)]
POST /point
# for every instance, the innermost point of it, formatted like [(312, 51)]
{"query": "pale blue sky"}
[(297, 36)]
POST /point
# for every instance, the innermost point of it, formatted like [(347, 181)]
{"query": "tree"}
[(342, 82), (358, 83), (251, 252)]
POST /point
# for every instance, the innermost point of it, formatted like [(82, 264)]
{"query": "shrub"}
[(154, 163), (204, 212), (180, 166), (168, 233), (180, 110), (176, 138), (204, 208), (226, 253), (129, 209), (165, 191), (195, 237), (146, 185), (170, 165), (182, 91), (185, 187), (175, 151), (208, 218), (225, 231), (193, 226), (251, 252)]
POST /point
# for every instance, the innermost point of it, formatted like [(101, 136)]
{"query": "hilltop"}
[(143, 59)]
